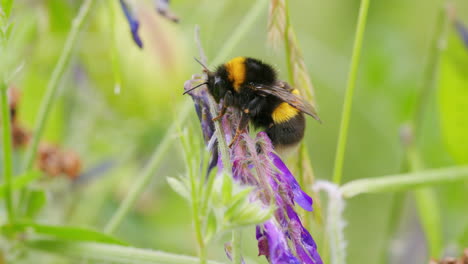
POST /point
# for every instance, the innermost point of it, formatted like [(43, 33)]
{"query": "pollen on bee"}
[(236, 71)]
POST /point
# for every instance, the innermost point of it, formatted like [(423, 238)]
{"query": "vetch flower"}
[(162, 6), (132, 22), (282, 238)]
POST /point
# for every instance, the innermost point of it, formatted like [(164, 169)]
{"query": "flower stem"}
[(7, 152), (236, 246), (52, 86), (346, 115)]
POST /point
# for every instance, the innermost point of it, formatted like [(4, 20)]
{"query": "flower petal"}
[(133, 23), (300, 197), (278, 247)]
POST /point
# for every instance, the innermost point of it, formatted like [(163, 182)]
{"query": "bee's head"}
[(218, 83)]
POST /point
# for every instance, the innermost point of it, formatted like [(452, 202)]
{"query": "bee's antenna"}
[(193, 88), (202, 64)]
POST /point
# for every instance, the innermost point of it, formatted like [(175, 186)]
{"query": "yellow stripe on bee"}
[(236, 72), (283, 113)]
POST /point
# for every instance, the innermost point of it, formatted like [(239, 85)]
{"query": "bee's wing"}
[(283, 91)]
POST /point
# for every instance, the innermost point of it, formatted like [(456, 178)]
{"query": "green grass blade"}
[(351, 85), (64, 232), (20, 181), (110, 253), (7, 153)]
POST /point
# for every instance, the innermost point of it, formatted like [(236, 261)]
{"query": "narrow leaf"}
[(64, 232), (179, 187), (107, 253), (453, 94), (21, 181)]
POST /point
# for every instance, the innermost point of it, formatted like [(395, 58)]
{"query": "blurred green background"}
[(104, 125)]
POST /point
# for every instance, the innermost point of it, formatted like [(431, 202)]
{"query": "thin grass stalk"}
[(351, 85), (52, 86), (7, 153), (155, 160)]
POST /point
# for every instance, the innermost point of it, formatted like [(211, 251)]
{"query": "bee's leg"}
[(228, 100), (244, 121), (254, 107)]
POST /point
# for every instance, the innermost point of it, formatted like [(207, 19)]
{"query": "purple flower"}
[(279, 251), (199, 96), (463, 31), (162, 6), (300, 197), (132, 22), (283, 238)]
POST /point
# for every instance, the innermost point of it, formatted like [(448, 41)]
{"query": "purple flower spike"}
[(463, 31), (279, 252), (133, 23), (300, 197)]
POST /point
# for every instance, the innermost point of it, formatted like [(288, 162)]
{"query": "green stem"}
[(53, 84), (236, 246), (144, 178), (346, 115), (219, 133), (405, 181), (107, 253), (7, 152)]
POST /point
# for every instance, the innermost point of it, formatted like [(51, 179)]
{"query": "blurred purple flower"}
[(162, 6), (463, 31), (132, 22), (283, 238)]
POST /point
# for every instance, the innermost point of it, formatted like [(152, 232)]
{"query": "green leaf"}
[(36, 201), (211, 227), (63, 232), (107, 253), (179, 187), (5, 8), (21, 181), (453, 97)]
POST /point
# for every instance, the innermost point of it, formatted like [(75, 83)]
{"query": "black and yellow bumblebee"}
[(252, 87)]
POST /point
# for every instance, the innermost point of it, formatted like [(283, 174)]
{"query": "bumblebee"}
[(252, 87)]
